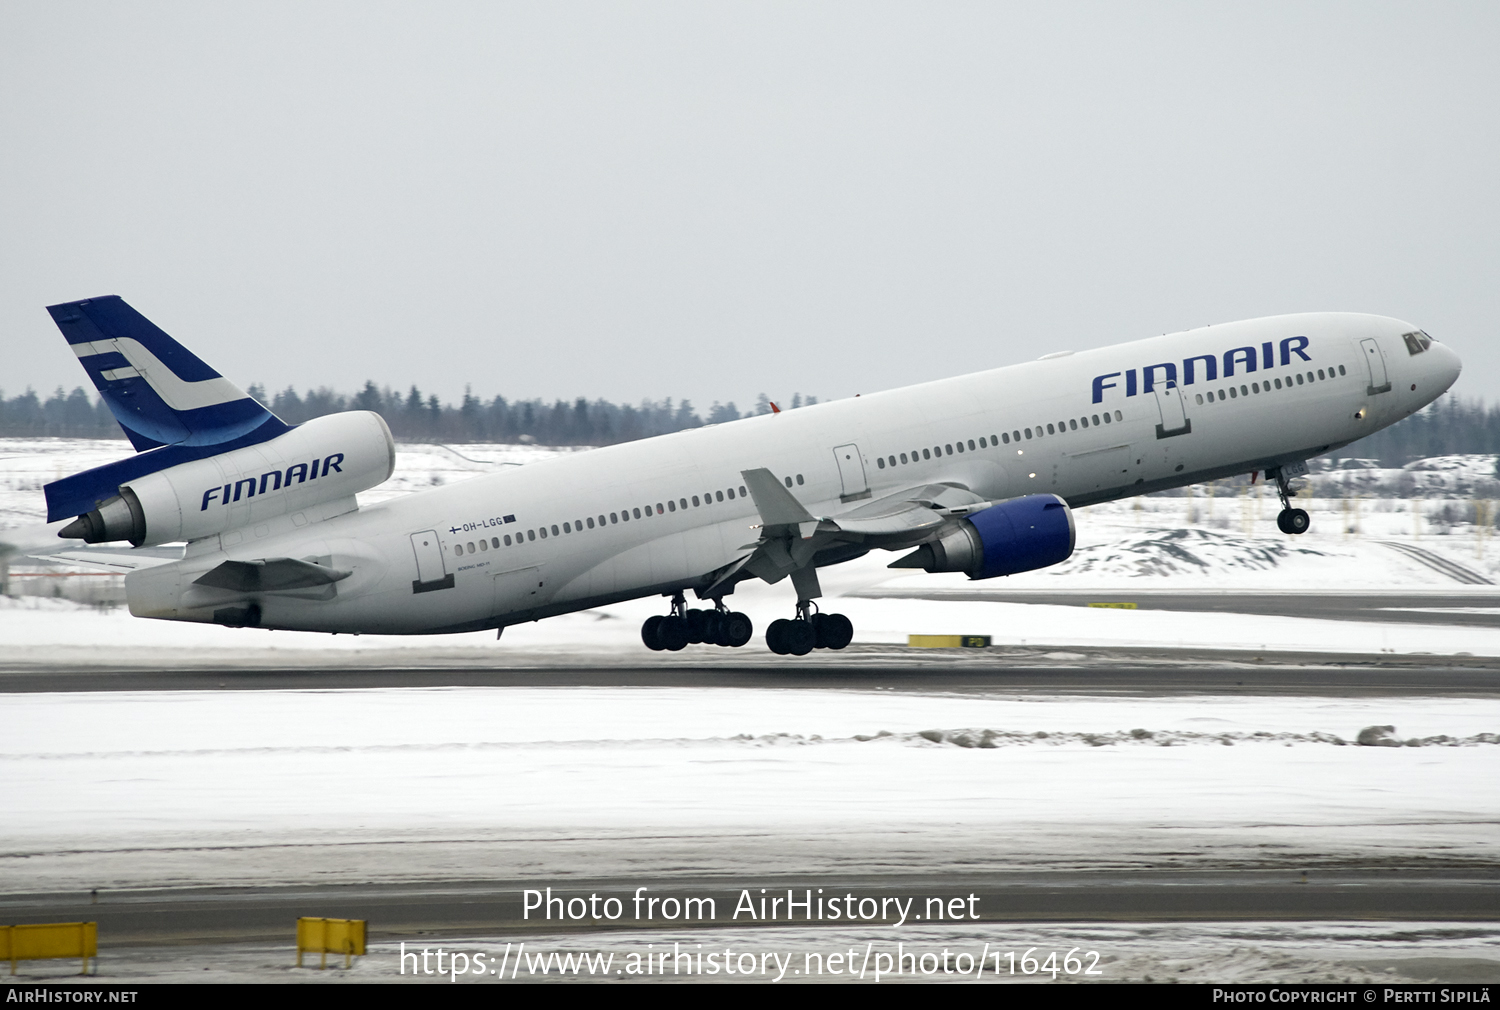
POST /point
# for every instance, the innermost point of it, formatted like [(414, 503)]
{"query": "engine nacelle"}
[(328, 458), (1008, 537)]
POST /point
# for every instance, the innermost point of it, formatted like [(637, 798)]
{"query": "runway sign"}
[(35, 941), (330, 936), (948, 641)]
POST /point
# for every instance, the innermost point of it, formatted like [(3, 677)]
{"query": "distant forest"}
[(411, 416), (1448, 426)]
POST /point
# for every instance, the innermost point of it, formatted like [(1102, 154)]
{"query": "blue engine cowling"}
[(1008, 537)]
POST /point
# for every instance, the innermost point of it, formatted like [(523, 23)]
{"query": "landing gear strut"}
[(808, 631), (1288, 520), (683, 627)]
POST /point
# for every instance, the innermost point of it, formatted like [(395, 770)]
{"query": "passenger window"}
[(880, 462), (1073, 424), (471, 547), (903, 457), (458, 550), (1278, 383), (1084, 421), (799, 479), (544, 533), (671, 505), (971, 443), (1232, 392), (719, 495), (578, 525), (1309, 376), (625, 515), (743, 492), (788, 481), (507, 539), (496, 542), (567, 528), (731, 494), (1051, 430), (1341, 369), (1299, 378), (612, 517), (1320, 373), (960, 447), (637, 513), (1255, 386), (659, 510), (1006, 436), (1028, 432), (1118, 416), (682, 504), (926, 454), (695, 501), (531, 534), (1096, 417), (591, 522), (1200, 397), (484, 545), (982, 442)]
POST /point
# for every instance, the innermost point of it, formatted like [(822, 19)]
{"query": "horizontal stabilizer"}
[(270, 575), (113, 558)]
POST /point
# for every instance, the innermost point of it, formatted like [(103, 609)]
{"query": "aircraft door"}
[(431, 565), (851, 472), (1173, 411), (517, 590), (1379, 381)]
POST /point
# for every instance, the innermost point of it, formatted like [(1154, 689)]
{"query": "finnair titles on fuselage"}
[(976, 474)]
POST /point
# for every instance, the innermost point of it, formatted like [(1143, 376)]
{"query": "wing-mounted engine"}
[(1018, 535), (328, 459)]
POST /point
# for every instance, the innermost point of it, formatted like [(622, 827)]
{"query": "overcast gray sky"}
[(713, 199)]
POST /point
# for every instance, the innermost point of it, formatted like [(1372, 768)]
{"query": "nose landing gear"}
[(1288, 520), (808, 631), (683, 627)]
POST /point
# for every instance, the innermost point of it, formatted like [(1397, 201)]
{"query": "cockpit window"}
[(1416, 342)]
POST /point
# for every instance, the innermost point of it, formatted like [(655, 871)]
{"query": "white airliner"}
[(976, 474)]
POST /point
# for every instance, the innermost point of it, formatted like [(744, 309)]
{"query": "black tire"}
[(672, 633), (835, 631), (799, 637), (650, 633), (776, 635), (697, 625), (737, 629), (713, 627), (816, 620), (1293, 521)]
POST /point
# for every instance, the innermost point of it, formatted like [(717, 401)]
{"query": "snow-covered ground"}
[(175, 788)]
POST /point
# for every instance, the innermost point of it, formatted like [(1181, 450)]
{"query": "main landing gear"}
[(683, 627), (1288, 520), (810, 630)]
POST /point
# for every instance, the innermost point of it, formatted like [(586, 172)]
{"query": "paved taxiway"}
[(494, 908), (1081, 670)]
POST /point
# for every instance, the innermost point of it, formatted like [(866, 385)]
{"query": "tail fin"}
[(173, 406), (159, 391)]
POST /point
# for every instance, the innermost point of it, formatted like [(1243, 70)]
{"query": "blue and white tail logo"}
[(172, 405)]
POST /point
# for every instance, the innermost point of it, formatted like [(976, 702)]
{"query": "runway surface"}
[(995, 670), (1472, 609), (495, 908)]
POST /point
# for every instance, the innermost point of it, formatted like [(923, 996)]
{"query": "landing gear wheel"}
[(834, 631), (697, 625), (736, 629), (1293, 521), (776, 636), (672, 633), (799, 637), (649, 633)]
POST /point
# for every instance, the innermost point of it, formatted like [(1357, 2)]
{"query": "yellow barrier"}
[(35, 941), (330, 936), (1115, 606), (948, 641)]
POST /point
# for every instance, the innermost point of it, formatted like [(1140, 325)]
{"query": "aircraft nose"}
[(1445, 364)]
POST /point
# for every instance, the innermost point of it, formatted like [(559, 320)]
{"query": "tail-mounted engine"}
[(1008, 537), (326, 459)]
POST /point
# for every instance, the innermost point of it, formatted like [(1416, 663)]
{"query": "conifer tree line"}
[(412, 416), (1450, 425)]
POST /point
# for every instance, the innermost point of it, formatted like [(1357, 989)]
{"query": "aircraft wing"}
[(112, 558)]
